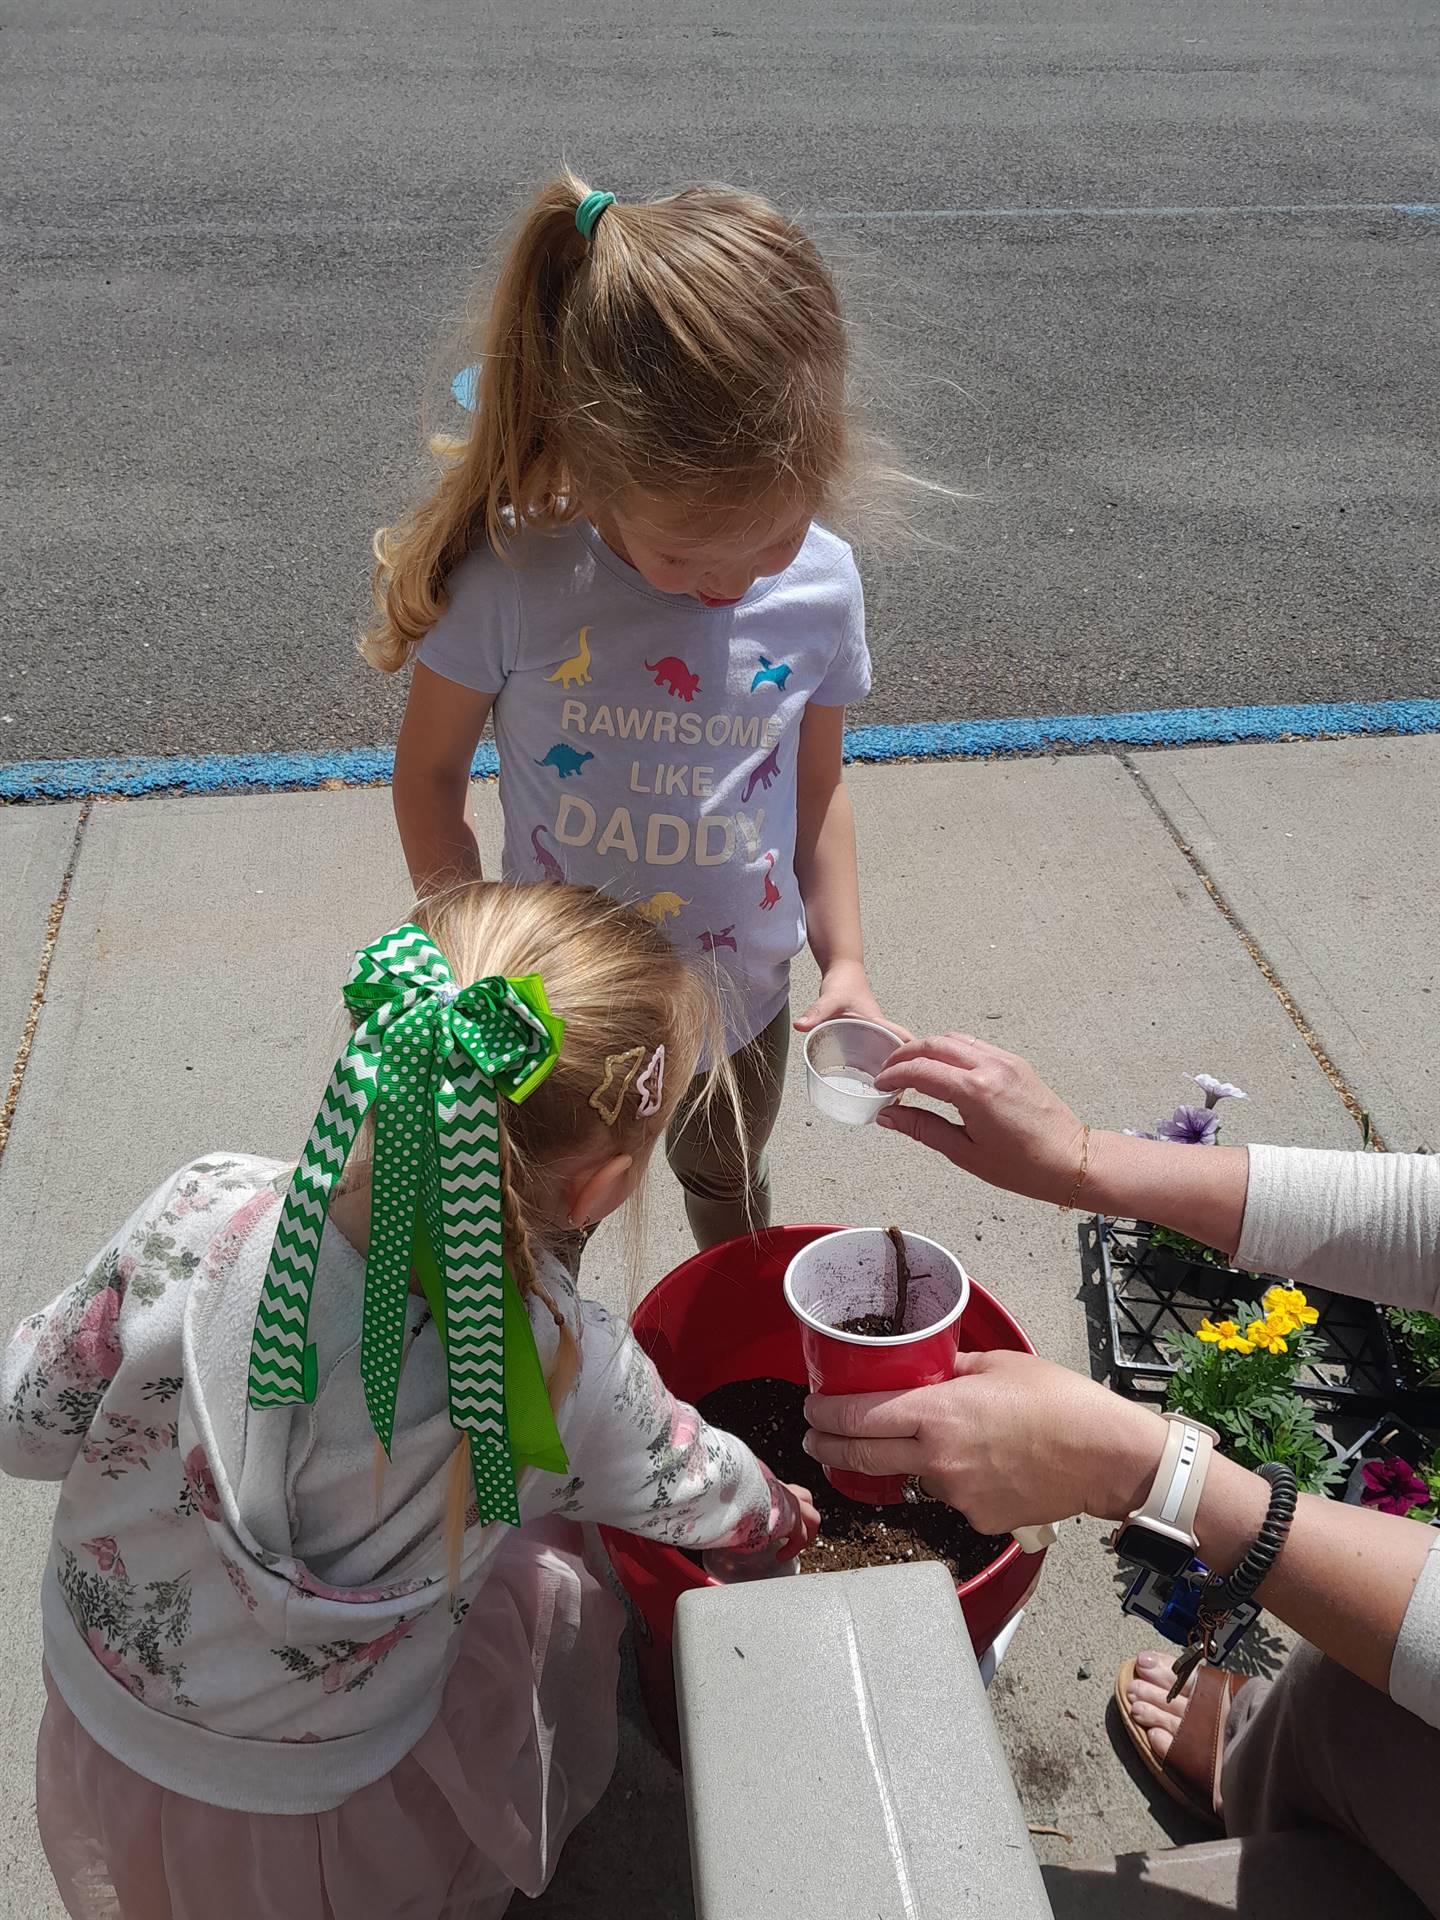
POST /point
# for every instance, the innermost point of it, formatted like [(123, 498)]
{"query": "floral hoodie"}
[(229, 1607)]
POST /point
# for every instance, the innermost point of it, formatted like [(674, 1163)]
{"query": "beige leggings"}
[(704, 1149)]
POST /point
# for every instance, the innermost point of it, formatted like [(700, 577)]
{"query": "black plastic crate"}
[(1143, 1304), (1416, 1400)]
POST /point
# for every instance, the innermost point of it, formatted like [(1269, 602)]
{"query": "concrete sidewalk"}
[(1121, 922)]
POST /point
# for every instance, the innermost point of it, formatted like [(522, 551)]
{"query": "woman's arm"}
[(827, 872), (1360, 1223), (438, 737), (1014, 1440)]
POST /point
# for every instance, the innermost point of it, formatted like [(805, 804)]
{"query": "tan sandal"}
[(1190, 1771)]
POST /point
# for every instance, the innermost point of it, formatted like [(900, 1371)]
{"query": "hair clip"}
[(620, 1070), (651, 1084)]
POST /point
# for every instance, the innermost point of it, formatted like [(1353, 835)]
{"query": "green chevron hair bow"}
[(432, 1058)]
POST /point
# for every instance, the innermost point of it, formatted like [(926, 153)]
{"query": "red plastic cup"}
[(847, 1275)]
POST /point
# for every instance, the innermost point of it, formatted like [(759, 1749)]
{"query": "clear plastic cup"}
[(842, 1058)]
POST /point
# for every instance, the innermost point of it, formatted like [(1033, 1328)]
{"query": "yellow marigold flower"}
[(1292, 1301), (1225, 1335), (1269, 1333), (1287, 1310)]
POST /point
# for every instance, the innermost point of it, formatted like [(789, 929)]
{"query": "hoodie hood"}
[(279, 1487)]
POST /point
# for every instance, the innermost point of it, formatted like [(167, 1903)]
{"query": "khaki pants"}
[(1319, 1748), (704, 1149)]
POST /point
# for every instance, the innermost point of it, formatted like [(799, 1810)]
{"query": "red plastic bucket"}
[(721, 1317)]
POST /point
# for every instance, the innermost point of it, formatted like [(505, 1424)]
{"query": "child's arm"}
[(642, 1460), (825, 867), (438, 737), (60, 1361)]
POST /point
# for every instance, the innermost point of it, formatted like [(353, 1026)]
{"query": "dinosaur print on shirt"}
[(765, 775), (648, 746), (544, 859), (661, 907), (574, 672), (676, 678), (775, 673), (565, 760)]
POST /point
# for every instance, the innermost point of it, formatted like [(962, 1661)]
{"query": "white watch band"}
[(1179, 1481)]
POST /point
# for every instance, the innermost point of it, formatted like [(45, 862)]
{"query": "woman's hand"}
[(845, 995), (807, 1522), (1014, 1131), (1011, 1441)]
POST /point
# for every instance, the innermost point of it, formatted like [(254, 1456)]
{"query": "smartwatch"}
[(1160, 1533)]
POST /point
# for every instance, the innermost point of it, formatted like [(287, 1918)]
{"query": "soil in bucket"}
[(769, 1415)]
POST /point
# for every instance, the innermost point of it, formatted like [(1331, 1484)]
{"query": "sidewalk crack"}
[(1262, 965), (37, 998)]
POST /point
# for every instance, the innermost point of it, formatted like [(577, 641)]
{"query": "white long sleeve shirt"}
[(1368, 1225)]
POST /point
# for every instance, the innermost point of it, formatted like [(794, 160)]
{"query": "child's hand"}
[(845, 995), (807, 1522)]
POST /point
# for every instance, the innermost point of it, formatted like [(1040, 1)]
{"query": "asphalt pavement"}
[(1200, 433)]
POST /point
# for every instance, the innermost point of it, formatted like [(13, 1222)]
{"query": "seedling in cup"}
[(880, 1311), (842, 1058)]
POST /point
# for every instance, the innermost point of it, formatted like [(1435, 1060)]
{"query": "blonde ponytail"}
[(692, 346)]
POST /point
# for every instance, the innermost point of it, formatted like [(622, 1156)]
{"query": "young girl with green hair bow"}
[(280, 1681)]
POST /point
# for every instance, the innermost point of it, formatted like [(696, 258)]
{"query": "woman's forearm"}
[(1199, 1191), (1344, 1577)]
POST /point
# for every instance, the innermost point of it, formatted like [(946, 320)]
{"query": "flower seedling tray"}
[(1388, 1439), (1147, 1300), (1417, 1397)]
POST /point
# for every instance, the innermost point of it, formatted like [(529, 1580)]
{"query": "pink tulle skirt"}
[(523, 1747)]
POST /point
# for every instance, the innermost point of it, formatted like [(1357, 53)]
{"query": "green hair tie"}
[(590, 209)]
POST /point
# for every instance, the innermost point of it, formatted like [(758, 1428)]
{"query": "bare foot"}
[(1160, 1718)]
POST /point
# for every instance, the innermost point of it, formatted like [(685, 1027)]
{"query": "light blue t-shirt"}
[(648, 743)]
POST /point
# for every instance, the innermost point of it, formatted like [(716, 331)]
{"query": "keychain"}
[(1174, 1607)]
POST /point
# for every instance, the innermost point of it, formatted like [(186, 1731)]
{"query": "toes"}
[(1157, 1695), (1158, 1724), (1156, 1667)]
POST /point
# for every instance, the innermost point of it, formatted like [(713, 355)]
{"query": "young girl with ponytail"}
[(623, 562), (288, 1675)]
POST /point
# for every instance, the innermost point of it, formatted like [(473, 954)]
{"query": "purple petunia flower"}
[(1194, 1126), (1216, 1090), (1392, 1485)]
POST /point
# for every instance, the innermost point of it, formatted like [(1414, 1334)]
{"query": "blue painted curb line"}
[(1152, 727), (931, 740)]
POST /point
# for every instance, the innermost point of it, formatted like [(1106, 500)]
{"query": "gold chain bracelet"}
[(1069, 1206)]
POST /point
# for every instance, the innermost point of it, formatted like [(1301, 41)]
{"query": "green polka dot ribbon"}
[(432, 1059)]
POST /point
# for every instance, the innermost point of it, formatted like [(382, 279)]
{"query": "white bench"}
[(841, 1762)]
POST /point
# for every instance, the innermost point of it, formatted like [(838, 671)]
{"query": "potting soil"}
[(769, 1415), (871, 1326)]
